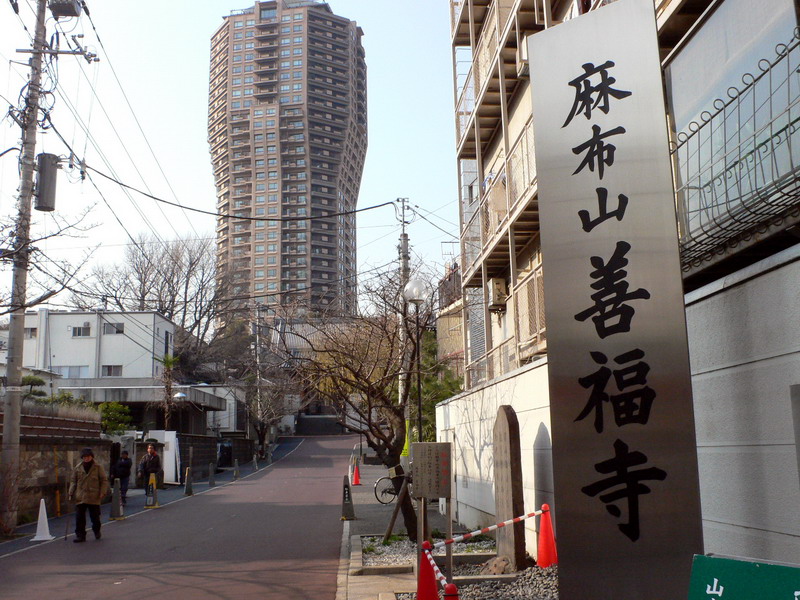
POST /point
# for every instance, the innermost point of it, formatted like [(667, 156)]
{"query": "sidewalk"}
[(372, 518), (64, 526)]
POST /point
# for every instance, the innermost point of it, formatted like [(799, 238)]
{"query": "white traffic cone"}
[(42, 527)]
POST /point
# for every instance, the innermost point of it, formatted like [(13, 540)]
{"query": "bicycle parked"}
[(384, 489)]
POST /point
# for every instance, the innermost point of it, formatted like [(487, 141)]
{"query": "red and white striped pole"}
[(466, 536)]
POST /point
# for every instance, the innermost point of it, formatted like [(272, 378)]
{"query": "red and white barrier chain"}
[(436, 572), (466, 536)]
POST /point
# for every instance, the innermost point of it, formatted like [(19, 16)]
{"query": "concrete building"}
[(287, 131), (733, 110), (110, 356)]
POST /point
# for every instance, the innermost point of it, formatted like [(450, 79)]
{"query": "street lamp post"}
[(414, 292)]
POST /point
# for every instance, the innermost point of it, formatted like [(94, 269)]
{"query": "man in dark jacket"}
[(122, 471), (87, 488), (150, 464)]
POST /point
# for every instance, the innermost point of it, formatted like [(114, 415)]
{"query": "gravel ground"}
[(532, 584), (404, 552)]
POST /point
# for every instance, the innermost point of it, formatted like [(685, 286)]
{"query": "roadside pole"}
[(9, 481)]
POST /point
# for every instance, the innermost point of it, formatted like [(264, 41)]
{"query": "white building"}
[(112, 356), (98, 344)]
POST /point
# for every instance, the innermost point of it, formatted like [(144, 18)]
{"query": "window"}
[(72, 372), (298, 28), (297, 51), (111, 371), (250, 22), (297, 63), (29, 333), (269, 13), (237, 47), (237, 35), (85, 331), (238, 24), (237, 58), (259, 273), (298, 39), (113, 328)]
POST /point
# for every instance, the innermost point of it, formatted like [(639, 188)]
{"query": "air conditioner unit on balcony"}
[(498, 294), (523, 67)]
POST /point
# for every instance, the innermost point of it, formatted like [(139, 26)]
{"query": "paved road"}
[(275, 534)]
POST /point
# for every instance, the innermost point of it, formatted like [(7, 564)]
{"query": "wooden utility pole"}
[(12, 403)]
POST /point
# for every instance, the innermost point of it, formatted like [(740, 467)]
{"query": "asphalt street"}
[(273, 534)]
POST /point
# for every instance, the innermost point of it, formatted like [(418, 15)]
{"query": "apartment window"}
[(271, 273), (237, 47), (285, 42), (236, 70), (249, 56), (271, 260), (113, 328), (236, 81), (111, 371), (29, 333), (298, 16), (238, 24), (248, 103), (297, 98), (259, 248), (286, 18), (249, 68), (237, 58), (237, 36), (272, 247), (250, 22), (286, 29), (298, 28), (259, 199), (249, 45), (259, 261), (297, 86), (249, 34), (269, 13), (297, 74), (297, 63), (286, 53), (72, 372), (298, 39), (259, 273), (259, 286), (81, 331), (297, 51)]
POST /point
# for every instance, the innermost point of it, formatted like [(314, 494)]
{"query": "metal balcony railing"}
[(494, 207), (738, 171), (529, 304), (521, 166), (486, 49)]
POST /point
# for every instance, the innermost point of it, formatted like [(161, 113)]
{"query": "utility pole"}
[(404, 273), (12, 404)]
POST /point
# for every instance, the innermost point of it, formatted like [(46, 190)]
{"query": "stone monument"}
[(508, 487)]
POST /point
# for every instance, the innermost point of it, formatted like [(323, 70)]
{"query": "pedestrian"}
[(150, 464), (122, 471), (87, 488)]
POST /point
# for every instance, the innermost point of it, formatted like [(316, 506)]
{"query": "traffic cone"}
[(426, 580), (546, 551), (42, 527), (356, 476), (451, 591)]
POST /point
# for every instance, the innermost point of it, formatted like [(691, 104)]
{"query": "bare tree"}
[(178, 279), (268, 399)]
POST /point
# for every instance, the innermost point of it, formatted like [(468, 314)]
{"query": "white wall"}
[(744, 341), (467, 420)]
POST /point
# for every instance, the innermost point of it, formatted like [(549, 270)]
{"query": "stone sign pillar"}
[(508, 487)]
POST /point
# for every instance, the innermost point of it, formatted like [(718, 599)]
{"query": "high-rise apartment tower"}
[(287, 128)]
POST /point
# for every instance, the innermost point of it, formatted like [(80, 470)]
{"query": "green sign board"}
[(728, 579)]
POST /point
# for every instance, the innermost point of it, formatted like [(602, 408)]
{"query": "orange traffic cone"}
[(451, 591), (356, 476), (426, 580), (546, 555)]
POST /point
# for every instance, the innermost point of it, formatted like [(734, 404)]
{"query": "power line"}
[(229, 216)]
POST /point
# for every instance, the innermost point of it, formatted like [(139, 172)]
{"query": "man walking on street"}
[(150, 464), (88, 486)]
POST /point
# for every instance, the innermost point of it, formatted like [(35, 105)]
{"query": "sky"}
[(144, 105)]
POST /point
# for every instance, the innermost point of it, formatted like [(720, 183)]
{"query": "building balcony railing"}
[(738, 171), (528, 297), (465, 106), (499, 360), (521, 166), (494, 207), (486, 48)]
